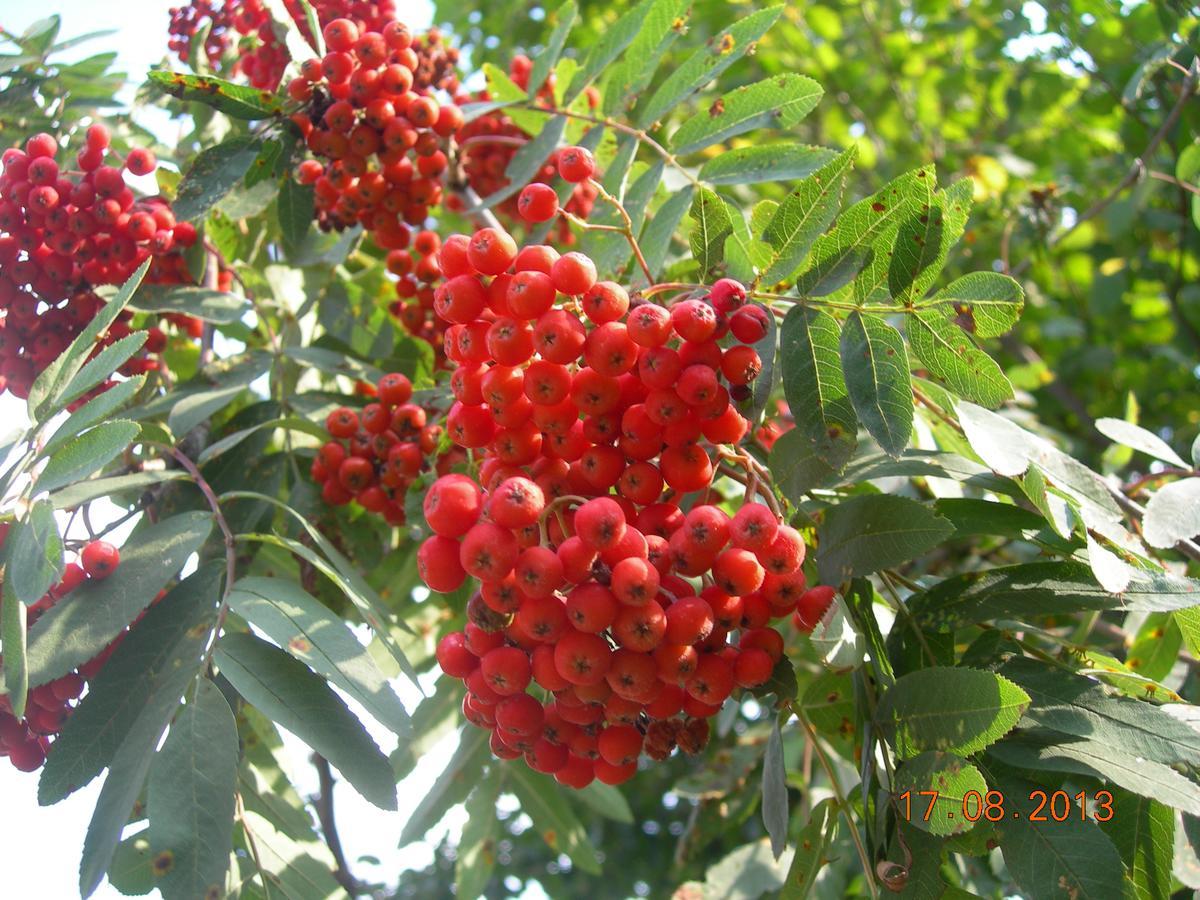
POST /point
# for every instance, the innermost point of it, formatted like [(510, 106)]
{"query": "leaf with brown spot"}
[(235, 100), (778, 102), (705, 64), (950, 355)]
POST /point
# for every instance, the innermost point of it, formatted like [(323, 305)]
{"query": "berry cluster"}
[(259, 56), (375, 453), (487, 145), (608, 577), (64, 233), (381, 134), (26, 741), (416, 269)]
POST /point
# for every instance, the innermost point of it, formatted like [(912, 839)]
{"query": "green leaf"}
[(289, 423), (814, 386), (1046, 751), (1144, 834), (777, 102), (186, 621), (722, 51), (199, 302), (1074, 705), (238, 101), (712, 226), (1052, 859), (918, 242), (452, 786), (102, 365), (294, 620), (840, 253), (944, 778), (1173, 513), (955, 204), (95, 410), (526, 162), (812, 852), (13, 618), (544, 803), (339, 570), (83, 623), (197, 408), (213, 174), (1032, 590), (84, 454), (948, 353), (746, 873), (870, 532), (77, 494), (295, 208), (773, 162), (974, 517), (656, 236), (146, 676), (774, 791), (606, 800), (476, 852), (296, 870), (987, 304), (287, 691), (875, 366), (34, 560), (190, 797), (662, 22), (951, 709), (836, 639), (804, 214), (49, 387), (612, 41), (131, 871), (1155, 649), (544, 63)]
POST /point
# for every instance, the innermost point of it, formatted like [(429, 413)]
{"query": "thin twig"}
[(252, 845), (636, 133), (212, 281), (1171, 179), (230, 549), (323, 803), (627, 230), (842, 802)]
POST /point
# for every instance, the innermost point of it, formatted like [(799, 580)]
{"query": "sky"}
[(44, 843)]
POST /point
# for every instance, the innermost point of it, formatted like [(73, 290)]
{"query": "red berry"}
[(576, 164), (537, 203), (100, 559)]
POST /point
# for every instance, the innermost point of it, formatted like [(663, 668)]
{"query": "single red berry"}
[(576, 164), (537, 203), (100, 559), (140, 161)]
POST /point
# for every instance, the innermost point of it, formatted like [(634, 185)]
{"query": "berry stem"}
[(230, 550), (637, 133), (627, 230), (842, 803)]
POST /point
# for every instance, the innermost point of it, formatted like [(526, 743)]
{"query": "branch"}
[(324, 806), (230, 549)]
